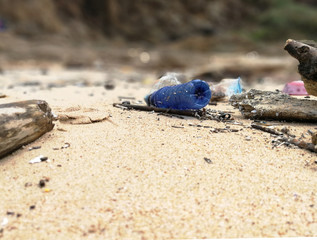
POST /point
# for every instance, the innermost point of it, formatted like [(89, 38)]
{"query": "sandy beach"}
[(142, 175)]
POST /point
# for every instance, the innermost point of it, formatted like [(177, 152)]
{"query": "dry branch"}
[(200, 114), (291, 140), (267, 105), (22, 123)]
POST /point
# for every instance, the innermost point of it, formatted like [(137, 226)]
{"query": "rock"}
[(307, 68)]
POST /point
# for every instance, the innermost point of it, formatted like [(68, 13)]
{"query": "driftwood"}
[(306, 54), (22, 123), (257, 104)]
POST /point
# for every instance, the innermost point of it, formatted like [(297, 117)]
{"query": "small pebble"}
[(109, 85), (10, 213), (42, 183), (208, 160)]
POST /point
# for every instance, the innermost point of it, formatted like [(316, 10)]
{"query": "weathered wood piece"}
[(22, 123), (267, 105), (306, 54)]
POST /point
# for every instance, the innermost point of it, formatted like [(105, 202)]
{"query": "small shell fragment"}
[(39, 159), (4, 221)]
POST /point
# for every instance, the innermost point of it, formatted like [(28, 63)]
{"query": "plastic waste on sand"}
[(227, 87), (296, 88), (195, 94)]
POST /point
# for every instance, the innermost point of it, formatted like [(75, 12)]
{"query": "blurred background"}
[(156, 35)]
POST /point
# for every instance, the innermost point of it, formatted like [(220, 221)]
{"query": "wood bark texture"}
[(22, 123), (306, 54), (267, 105)]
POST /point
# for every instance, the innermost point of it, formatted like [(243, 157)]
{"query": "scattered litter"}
[(170, 93), (296, 88), (225, 88), (169, 79), (39, 159)]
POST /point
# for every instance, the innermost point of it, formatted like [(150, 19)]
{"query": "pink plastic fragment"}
[(295, 88)]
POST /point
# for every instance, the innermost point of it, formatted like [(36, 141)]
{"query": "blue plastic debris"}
[(195, 94)]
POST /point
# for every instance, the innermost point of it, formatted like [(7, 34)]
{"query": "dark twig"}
[(290, 140), (161, 110), (200, 114)]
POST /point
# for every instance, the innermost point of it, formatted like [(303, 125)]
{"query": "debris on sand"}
[(285, 137), (39, 159), (257, 104), (204, 114), (22, 123)]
